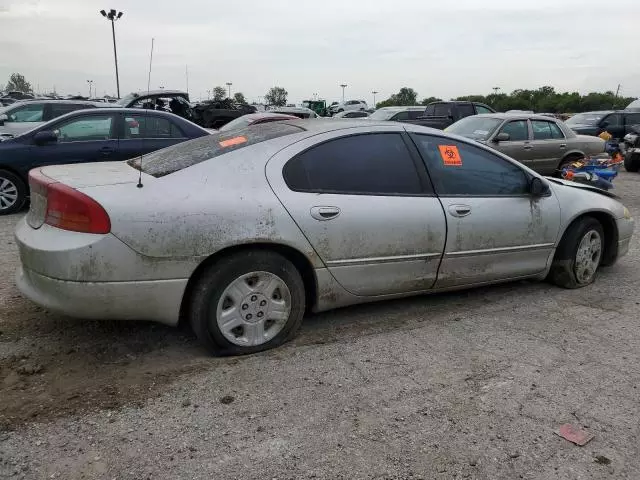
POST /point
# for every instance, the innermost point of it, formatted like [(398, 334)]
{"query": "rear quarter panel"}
[(203, 209)]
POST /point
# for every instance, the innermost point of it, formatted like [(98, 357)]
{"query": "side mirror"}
[(538, 188), (502, 137), (3, 118), (44, 137)]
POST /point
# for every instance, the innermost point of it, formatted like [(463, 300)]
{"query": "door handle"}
[(528, 147), (106, 150), (459, 210), (324, 213), (563, 145)]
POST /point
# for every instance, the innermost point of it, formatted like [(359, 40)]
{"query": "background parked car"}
[(398, 114), (299, 112), (86, 136), (348, 105), (543, 144), (245, 231), (442, 114), (22, 116), (255, 119), (617, 123), (11, 97), (352, 114)]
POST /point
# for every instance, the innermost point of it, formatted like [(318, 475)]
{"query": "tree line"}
[(544, 99)]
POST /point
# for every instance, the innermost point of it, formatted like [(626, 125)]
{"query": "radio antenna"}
[(146, 120)]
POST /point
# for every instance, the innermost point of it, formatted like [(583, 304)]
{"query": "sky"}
[(443, 49)]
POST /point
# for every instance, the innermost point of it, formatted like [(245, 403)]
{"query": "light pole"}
[(343, 85), (229, 85), (495, 90), (90, 82), (112, 16), (374, 98), (208, 94)]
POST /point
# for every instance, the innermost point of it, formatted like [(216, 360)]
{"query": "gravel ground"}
[(464, 385)]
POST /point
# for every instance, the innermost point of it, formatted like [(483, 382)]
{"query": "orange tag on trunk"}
[(450, 155), (232, 141)]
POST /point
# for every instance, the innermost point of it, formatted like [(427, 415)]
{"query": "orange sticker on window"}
[(232, 141), (450, 155)]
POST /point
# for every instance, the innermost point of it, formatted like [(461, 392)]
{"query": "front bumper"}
[(155, 300)]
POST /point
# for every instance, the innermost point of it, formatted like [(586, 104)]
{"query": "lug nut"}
[(260, 314), (263, 303), (249, 316), (253, 298), (245, 306)]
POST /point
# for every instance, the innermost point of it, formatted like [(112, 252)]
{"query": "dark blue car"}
[(94, 135)]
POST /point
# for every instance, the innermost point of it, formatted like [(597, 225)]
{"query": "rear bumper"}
[(156, 300)]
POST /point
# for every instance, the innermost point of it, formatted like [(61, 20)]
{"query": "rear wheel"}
[(632, 162), (247, 303), (13, 193), (565, 162), (579, 254)]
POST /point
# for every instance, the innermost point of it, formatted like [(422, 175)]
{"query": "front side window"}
[(465, 110), (613, 120), (401, 116), (143, 126), (442, 110), (86, 129), (633, 119), (430, 110), (376, 164), (460, 169), (517, 130), (27, 113)]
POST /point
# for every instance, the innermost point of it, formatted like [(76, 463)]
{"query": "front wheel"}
[(13, 193), (579, 254), (246, 303), (632, 162)]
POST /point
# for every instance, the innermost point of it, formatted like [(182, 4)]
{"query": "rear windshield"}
[(175, 158)]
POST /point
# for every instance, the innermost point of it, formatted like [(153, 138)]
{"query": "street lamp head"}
[(119, 15), (112, 13), (104, 14)]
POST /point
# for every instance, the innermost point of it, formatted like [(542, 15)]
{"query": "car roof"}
[(54, 101), (514, 116), (160, 92), (259, 115), (400, 109), (326, 124)]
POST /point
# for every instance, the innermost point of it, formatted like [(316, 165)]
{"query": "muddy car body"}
[(263, 224)]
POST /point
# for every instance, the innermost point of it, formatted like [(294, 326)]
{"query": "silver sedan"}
[(243, 232), (542, 143)]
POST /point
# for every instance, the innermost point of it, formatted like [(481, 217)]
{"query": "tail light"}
[(64, 207)]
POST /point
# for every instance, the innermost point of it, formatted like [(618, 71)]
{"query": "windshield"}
[(240, 122), (383, 114), (478, 128), (172, 159), (585, 119)]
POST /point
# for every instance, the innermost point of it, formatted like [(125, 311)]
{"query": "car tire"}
[(632, 162), (565, 162), (246, 303), (579, 254), (13, 193)]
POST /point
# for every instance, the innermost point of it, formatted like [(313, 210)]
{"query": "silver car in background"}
[(243, 232), (398, 114), (541, 143)]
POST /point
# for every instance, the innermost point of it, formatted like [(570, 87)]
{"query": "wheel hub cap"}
[(588, 256), (8, 193), (253, 309)]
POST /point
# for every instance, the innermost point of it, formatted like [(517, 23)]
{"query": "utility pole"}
[(375, 92), (186, 74), (229, 85), (343, 85), (90, 82), (113, 16)]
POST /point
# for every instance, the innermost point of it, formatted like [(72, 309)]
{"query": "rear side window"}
[(465, 110), (376, 164), (442, 109), (149, 126), (172, 159), (545, 130), (59, 109), (461, 169)]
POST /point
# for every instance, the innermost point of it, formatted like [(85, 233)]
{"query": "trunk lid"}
[(91, 174)]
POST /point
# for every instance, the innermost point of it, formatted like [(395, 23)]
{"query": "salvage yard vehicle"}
[(91, 135), (442, 114), (255, 119), (23, 116), (617, 123), (398, 114), (543, 144), (347, 106), (242, 232)]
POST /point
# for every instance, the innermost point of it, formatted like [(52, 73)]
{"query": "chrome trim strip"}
[(364, 261), (499, 250)]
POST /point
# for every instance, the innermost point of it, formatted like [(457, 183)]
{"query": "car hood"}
[(582, 186)]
